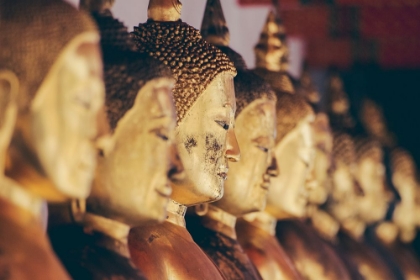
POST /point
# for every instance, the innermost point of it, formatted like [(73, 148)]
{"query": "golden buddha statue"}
[(51, 83), (246, 187), (326, 226), (205, 103), (272, 55), (398, 228), (314, 257), (130, 187), (366, 209)]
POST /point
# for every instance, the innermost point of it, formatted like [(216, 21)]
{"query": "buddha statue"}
[(205, 104), (213, 226), (390, 235), (368, 207), (130, 187), (326, 226), (51, 83), (272, 55)]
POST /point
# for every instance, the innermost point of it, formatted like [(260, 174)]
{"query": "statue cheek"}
[(214, 149)]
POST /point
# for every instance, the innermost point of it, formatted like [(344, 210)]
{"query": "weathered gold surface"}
[(256, 234), (205, 103)]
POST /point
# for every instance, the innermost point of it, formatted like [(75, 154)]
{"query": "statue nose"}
[(232, 147), (273, 169), (176, 167)]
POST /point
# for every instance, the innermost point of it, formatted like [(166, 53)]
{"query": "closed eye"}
[(223, 124), (262, 148)]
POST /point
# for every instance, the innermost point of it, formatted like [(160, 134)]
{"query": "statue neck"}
[(116, 232), (176, 213), (220, 221), (17, 196), (263, 221)]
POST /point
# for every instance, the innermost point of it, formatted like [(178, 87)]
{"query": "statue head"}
[(370, 173), (342, 202), (338, 104), (404, 173), (204, 101), (373, 120), (131, 182), (249, 179), (323, 142), (294, 151), (52, 50)]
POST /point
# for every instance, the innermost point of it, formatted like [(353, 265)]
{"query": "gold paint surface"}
[(248, 181)]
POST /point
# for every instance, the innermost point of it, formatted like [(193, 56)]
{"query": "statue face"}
[(343, 195), (64, 117), (249, 179), (205, 140), (288, 194), (370, 173), (322, 164), (131, 183)]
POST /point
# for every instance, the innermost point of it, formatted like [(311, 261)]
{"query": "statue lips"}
[(266, 182), (165, 191), (223, 172)]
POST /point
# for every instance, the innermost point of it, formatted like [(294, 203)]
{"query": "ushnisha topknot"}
[(193, 61), (291, 110), (214, 28), (338, 104), (248, 88), (33, 34), (402, 162), (343, 148), (272, 55), (126, 71)]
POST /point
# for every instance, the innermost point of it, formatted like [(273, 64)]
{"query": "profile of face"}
[(370, 173), (405, 213), (8, 112), (249, 179), (206, 141), (322, 160), (131, 183), (288, 193), (64, 118), (343, 200)]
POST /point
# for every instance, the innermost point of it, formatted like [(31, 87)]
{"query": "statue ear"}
[(9, 88)]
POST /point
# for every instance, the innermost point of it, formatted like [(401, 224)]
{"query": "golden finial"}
[(164, 10), (214, 28), (271, 51), (96, 5)]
